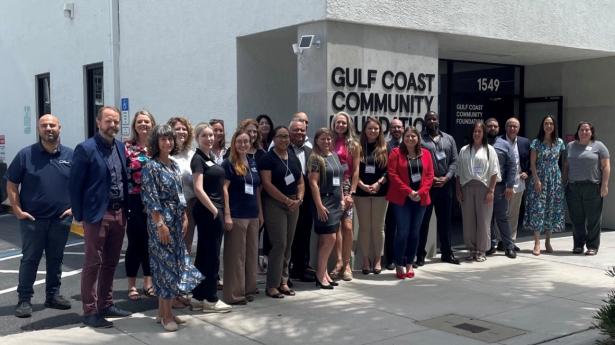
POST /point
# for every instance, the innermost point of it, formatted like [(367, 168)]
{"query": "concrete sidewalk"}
[(549, 299)]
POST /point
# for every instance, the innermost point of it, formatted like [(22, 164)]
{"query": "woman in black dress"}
[(325, 177)]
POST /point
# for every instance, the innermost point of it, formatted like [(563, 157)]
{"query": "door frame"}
[(559, 100)]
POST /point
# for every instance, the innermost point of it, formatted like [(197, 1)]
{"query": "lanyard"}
[(339, 167), (286, 164), (250, 171)]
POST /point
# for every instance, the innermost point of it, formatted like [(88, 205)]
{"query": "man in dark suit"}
[(98, 191), (521, 152), (300, 252)]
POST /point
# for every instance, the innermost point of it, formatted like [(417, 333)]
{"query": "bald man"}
[(43, 208)]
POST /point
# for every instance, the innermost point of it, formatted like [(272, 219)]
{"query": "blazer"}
[(523, 146), (90, 181), (399, 180)]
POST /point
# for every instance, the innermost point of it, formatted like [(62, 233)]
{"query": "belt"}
[(583, 182), (115, 205)]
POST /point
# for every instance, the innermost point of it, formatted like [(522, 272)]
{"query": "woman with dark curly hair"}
[(165, 203), (265, 130)]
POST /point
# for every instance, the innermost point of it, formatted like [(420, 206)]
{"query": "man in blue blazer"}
[(521, 150), (98, 190)]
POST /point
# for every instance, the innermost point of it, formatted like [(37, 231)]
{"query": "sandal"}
[(149, 292), (133, 294), (480, 258), (591, 252), (276, 294), (287, 291)]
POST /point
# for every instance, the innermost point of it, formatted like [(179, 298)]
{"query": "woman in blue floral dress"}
[(161, 190), (545, 199)]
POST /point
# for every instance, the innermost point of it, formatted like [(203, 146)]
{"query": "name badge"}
[(249, 189), (440, 155), (415, 177), (370, 169), (253, 169), (182, 199), (289, 179), (209, 163), (478, 169), (588, 148), (336, 181)]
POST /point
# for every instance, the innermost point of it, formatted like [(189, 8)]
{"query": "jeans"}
[(409, 218), (38, 236)]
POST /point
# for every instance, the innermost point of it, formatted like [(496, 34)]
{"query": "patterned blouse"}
[(136, 157)]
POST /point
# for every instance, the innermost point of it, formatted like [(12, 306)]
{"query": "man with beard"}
[(444, 156), (390, 226), (300, 251), (43, 209), (98, 191), (503, 190)]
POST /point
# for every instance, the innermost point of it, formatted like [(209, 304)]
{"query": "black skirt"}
[(332, 202)]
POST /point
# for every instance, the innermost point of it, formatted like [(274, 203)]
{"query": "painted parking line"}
[(41, 281), (16, 253)]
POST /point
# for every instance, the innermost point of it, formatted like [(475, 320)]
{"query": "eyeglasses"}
[(282, 136)]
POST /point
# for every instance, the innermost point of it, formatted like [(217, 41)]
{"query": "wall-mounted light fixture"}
[(305, 42), (69, 10)]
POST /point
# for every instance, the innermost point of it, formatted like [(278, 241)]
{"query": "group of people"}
[(157, 189)]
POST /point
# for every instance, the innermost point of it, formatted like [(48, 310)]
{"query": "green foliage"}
[(605, 316)]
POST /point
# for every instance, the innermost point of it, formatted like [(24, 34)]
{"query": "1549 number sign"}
[(488, 84)]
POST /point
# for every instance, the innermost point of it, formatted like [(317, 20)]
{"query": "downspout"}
[(114, 7)]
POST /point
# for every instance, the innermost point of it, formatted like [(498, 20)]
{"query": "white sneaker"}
[(216, 307), (196, 305)]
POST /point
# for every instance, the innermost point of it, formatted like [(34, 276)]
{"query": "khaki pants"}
[(476, 216), (281, 225), (371, 211), (514, 206), (240, 259)]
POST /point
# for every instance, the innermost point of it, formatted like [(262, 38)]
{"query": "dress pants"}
[(585, 210), (240, 259), (371, 211), (281, 223), (47, 235), (476, 215), (137, 251), (207, 259), (390, 229), (300, 253), (103, 245), (499, 221), (514, 207), (442, 202)]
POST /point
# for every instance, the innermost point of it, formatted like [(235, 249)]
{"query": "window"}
[(94, 97), (43, 94)]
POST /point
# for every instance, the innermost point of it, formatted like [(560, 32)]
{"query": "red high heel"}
[(410, 275)]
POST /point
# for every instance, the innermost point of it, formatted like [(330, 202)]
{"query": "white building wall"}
[(181, 57), (569, 23), (36, 38), (587, 89)]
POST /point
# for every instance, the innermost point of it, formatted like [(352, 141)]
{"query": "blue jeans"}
[(38, 236), (409, 218)]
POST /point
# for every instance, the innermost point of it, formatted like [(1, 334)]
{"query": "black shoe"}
[(114, 311), (96, 321), (451, 259), (57, 302), (324, 287), (420, 261), (491, 251), (307, 277), (250, 298), (240, 302), (500, 246), (517, 249), (390, 266), (577, 250), (23, 309), (366, 271), (511, 253)]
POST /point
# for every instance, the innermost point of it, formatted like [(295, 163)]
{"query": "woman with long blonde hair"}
[(348, 149)]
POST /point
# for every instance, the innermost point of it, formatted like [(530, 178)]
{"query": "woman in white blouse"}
[(477, 173)]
